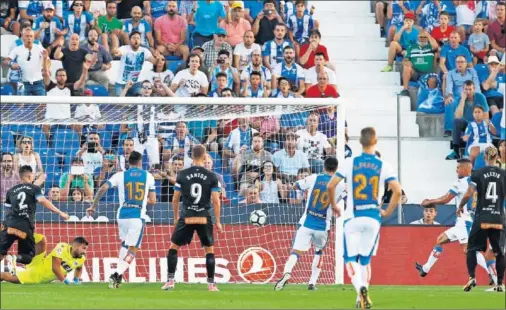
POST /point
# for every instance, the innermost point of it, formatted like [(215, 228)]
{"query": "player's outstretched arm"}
[(446, 198), (100, 193), (395, 186), (469, 193), (49, 205), (215, 196), (331, 187), (56, 267)]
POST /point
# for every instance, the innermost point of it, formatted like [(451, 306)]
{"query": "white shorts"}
[(457, 233), (482, 147), (131, 231), (361, 236), (306, 236)]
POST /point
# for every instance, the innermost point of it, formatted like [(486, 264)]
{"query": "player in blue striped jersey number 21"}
[(314, 224), (365, 175), (136, 189)]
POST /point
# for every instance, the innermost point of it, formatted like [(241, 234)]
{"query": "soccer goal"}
[(101, 131)]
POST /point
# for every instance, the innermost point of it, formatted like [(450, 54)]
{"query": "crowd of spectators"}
[(453, 52), (226, 49)]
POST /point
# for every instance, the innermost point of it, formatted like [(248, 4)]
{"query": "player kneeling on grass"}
[(314, 225), (136, 188), (20, 204), (199, 187), (55, 266)]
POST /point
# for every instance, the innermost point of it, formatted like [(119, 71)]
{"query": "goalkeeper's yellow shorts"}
[(33, 271)]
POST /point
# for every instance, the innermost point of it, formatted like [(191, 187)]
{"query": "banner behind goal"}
[(234, 129)]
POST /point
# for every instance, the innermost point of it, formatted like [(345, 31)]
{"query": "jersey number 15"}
[(135, 191)]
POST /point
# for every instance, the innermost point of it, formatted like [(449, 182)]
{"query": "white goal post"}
[(245, 253)]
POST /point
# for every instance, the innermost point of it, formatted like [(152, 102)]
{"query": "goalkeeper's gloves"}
[(66, 281), (76, 281)]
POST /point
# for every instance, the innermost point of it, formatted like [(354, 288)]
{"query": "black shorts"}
[(24, 235), (497, 101), (478, 239), (183, 234)]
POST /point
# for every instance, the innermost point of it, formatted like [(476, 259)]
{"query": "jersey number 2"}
[(21, 199), (196, 192), (491, 192)]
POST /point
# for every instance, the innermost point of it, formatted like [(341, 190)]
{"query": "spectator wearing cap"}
[(102, 60), (132, 60), (235, 25), (323, 89), (170, 33), (396, 11), (406, 36), (290, 70), (243, 50), (199, 51), (213, 47), (30, 10), (289, 160), (76, 178), (497, 30), (48, 27), (300, 25), (109, 27), (492, 80), (78, 21), (419, 60), (273, 51), (256, 65), (224, 66), (141, 26), (207, 15), (308, 51), (252, 8), (73, 57), (190, 82), (265, 23), (8, 16), (429, 11), (311, 75), (30, 58), (442, 32)]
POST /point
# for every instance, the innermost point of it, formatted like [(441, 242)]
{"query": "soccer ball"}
[(258, 218)]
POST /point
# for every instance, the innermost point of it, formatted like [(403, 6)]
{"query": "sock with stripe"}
[(125, 262), (434, 255)]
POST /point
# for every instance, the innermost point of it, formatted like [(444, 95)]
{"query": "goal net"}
[(259, 148)]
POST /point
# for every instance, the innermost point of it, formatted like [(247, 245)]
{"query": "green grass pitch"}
[(241, 296)]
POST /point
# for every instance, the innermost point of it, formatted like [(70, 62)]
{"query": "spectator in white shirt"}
[(92, 153), (429, 216), (190, 82), (31, 59), (313, 143), (132, 60), (242, 51), (319, 67)]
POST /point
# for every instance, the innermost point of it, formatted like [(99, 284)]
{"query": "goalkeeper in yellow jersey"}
[(55, 266)]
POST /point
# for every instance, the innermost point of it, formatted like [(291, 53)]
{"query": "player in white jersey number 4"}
[(314, 224), (460, 231), (136, 189), (366, 176)]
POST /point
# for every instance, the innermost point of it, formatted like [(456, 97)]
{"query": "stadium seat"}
[(5, 44), (173, 65), (55, 65), (7, 139), (39, 141), (106, 139), (6, 90), (113, 71), (28, 130), (98, 90), (66, 141)]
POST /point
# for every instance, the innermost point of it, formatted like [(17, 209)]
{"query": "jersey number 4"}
[(491, 192), (21, 199)]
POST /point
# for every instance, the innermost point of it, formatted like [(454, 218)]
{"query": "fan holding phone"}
[(91, 153), (76, 178)]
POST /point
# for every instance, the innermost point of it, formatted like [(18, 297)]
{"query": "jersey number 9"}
[(362, 190), (135, 191)]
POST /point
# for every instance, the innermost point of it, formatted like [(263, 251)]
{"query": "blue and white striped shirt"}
[(274, 51), (301, 27), (78, 24), (478, 133), (143, 28)]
